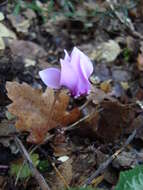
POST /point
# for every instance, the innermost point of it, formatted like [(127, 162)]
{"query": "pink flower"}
[(74, 74)]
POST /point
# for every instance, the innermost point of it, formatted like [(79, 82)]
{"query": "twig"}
[(23, 164), (105, 164), (72, 126), (60, 175), (84, 105), (68, 128), (36, 174), (127, 22), (19, 172)]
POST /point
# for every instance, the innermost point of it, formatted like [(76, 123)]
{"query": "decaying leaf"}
[(97, 95), (114, 119), (66, 171), (39, 112), (140, 62), (106, 86), (60, 145)]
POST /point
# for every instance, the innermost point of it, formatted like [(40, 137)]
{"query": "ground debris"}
[(38, 112)]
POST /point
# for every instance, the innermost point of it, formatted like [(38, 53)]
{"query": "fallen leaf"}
[(98, 180), (66, 171), (39, 112), (114, 119), (140, 62), (106, 86), (60, 145), (97, 95)]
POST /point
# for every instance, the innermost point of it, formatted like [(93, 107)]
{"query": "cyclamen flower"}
[(74, 74)]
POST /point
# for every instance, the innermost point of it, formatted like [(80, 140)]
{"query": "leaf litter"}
[(38, 112), (112, 104)]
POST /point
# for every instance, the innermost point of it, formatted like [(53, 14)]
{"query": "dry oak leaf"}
[(38, 112), (114, 119)]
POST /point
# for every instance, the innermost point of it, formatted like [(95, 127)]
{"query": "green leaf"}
[(17, 8), (126, 54), (44, 165), (23, 169), (131, 179)]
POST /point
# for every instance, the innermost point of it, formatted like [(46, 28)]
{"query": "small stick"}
[(36, 174), (84, 105), (105, 164), (21, 168), (72, 126), (19, 172), (68, 128), (60, 176)]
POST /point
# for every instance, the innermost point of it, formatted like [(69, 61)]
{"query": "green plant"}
[(28, 5), (126, 54), (44, 165), (131, 179), (21, 170)]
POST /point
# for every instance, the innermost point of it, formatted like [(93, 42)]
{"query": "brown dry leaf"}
[(39, 112), (98, 180), (140, 62), (60, 145), (98, 95), (114, 119), (106, 86)]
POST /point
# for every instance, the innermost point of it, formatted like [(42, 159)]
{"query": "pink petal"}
[(51, 77), (75, 59), (83, 86), (69, 77), (86, 65), (79, 59), (67, 57)]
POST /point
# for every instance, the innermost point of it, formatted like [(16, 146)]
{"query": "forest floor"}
[(105, 136)]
